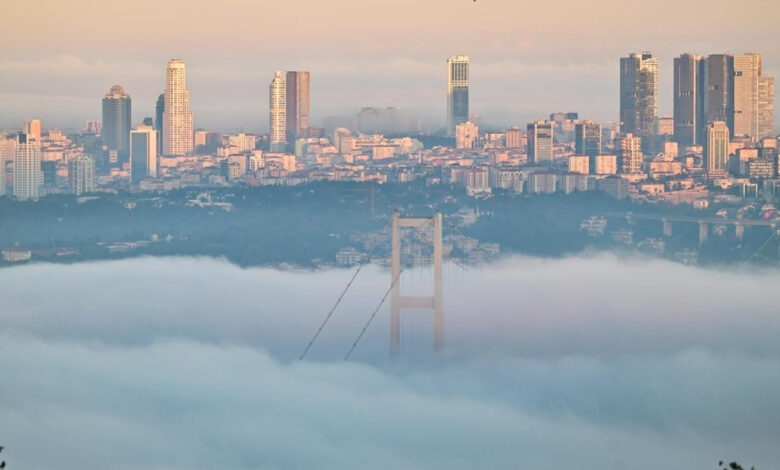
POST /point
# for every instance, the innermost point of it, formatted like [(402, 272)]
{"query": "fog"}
[(585, 362)]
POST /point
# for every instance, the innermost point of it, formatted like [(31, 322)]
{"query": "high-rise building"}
[(630, 157), (688, 99), (28, 177), (143, 154), (2, 175), (514, 138), (540, 141), (747, 69), (457, 92), (298, 106), (81, 174), (32, 127), (466, 135), (766, 106), (277, 110), (177, 116), (716, 147), (719, 91), (587, 138), (116, 121), (639, 95), (159, 111)]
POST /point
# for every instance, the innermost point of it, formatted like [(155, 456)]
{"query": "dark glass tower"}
[(116, 122), (158, 121)]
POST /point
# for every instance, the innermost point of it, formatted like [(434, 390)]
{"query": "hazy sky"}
[(189, 364), (528, 58)]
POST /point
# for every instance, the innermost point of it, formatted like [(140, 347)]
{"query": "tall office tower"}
[(540, 141), (32, 127), (81, 174), (298, 106), (143, 154), (766, 106), (177, 116), (116, 121), (159, 111), (277, 110), (457, 92), (716, 147), (28, 177), (747, 69), (587, 138), (514, 138), (719, 91), (639, 94), (688, 99), (630, 157)]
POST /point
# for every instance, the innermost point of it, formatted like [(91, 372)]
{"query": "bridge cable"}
[(774, 234), (344, 292), (476, 242)]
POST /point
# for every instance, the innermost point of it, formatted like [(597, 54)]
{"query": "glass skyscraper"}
[(457, 92), (117, 122)]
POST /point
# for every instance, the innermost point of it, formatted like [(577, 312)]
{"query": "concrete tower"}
[(457, 92), (277, 106), (177, 116), (540, 141), (716, 147)]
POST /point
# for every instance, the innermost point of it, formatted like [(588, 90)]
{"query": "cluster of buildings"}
[(720, 139)]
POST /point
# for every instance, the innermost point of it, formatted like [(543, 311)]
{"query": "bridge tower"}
[(398, 301)]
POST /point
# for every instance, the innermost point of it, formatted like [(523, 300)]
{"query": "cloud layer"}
[(189, 363)]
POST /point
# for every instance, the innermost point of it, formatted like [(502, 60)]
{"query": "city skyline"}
[(516, 76)]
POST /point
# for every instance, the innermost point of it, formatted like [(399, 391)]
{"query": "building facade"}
[(766, 106), (28, 178), (630, 157), (466, 135), (747, 70), (688, 99), (177, 116), (143, 154), (298, 105), (719, 92), (540, 141), (639, 95), (716, 147), (457, 92), (81, 174), (115, 126), (277, 110), (587, 138)]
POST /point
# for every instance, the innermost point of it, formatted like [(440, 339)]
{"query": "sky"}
[(528, 377), (528, 58)]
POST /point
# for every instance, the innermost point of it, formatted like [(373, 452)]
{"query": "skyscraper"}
[(688, 99), (630, 157), (28, 177), (177, 116), (457, 92), (159, 111), (277, 95), (116, 121), (298, 111), (719, 92), (81, 174), (766, 106), (716, 147), (747, 69), (639, 94), (143, 154), (540, 141), (2, 175), (587, 139)]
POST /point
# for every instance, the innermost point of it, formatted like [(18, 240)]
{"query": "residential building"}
[(766, 106), (466, 135), (630, 157), (579, 164), (81, 174), (514, 138), (604, 165), (28, 177)]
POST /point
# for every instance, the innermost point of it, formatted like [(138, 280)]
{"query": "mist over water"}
[(585, 362)]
